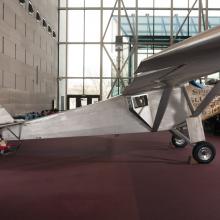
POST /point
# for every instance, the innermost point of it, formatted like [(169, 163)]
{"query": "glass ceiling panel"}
[(162, 25)]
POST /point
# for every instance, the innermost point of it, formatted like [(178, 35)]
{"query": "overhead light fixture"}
[(38, 17), (30, 8), (22, 2), (49, 29), (44, 23)]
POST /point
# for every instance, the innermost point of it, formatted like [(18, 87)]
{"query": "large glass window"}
[(75, 86), (92, 60), (62, 26), (62, 60), (92, 30), (75, 26), (92, 86), (100, 47), (75, 60), (93, 3), (75, 3)]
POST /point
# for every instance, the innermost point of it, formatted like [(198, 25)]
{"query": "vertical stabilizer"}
[(5, 117)]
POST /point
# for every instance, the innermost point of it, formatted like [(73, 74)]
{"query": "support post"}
[(136, 37), (200, 16), (207, 15), (101, 51), (119, 34)]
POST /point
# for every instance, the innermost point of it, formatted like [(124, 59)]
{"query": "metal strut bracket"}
[(17, 136), (188, 99), (180, 134), (137, 115)]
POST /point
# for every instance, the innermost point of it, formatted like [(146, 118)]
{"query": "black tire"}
[(204, 152), (178, 142)]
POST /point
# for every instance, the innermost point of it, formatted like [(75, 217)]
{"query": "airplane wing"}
[(190, 59)]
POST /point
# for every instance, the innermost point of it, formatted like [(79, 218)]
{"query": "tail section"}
[(5, 117)]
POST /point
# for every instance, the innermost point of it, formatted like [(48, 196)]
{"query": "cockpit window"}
[(140, 101)]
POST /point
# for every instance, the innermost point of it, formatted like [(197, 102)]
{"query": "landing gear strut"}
[(203, 152)]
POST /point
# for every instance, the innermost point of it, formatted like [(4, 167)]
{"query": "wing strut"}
[(162, 107), (188, 99)]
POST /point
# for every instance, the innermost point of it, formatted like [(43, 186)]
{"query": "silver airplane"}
[(156, 100)]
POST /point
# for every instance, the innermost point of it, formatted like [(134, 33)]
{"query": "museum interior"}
[(109, 109)]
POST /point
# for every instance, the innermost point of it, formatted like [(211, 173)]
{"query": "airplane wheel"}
[(178, 142), (204, 152)]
